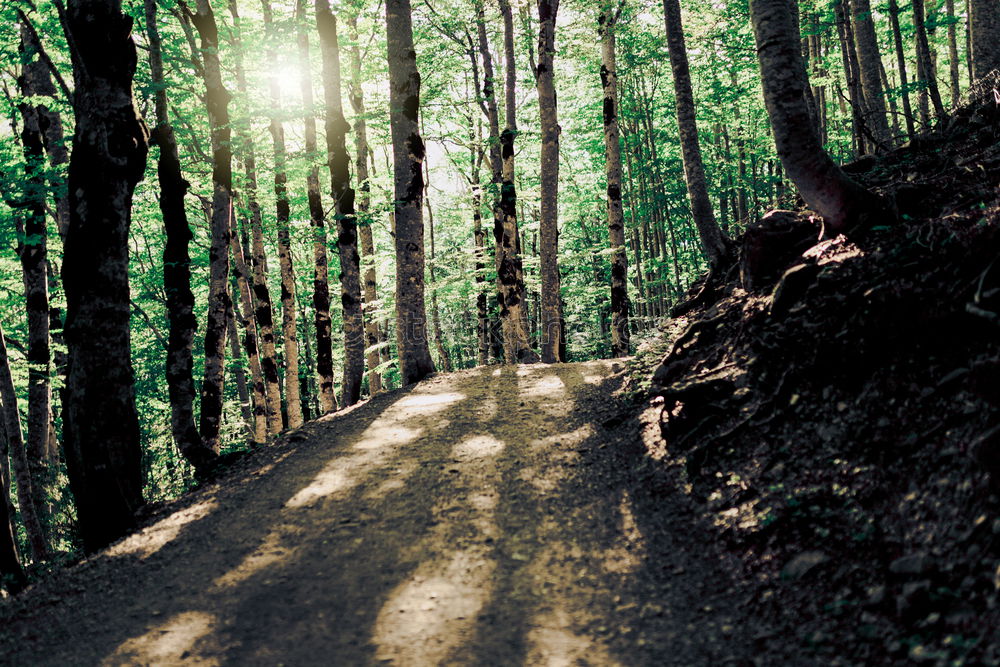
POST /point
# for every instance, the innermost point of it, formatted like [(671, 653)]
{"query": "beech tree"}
[(100, 423), (549, 199), (824, 186), (984, 27), (415, 361)]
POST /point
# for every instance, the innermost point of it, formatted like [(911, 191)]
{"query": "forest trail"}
[(484, 517)]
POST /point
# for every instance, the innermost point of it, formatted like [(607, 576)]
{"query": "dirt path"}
[(484, 517)]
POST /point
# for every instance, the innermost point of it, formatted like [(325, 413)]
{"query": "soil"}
[(493, 517)]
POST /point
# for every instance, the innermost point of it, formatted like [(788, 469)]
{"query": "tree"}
[(870, 61), (613, 152), (823, 185), (897, 40), (714, 242), (343, 198), (984, 26), (100, 423), (317, 220), (549, 221), (176, 265), (408, 154)]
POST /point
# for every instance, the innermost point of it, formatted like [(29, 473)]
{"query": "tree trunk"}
[(372, 334), (20, 460), (870, 60), (246, 407), (822, 184), (510, 269), (263, 311), (549, 176), (984, 28), (715, 244), (217, 98), (100, 423), (293, 398), (250, 341), (317, 219), (11, 572), (953, 75), (408, 155), (897, 39), (33, 252), (616, 213), (926, 65), (176, 266), (343, 197)]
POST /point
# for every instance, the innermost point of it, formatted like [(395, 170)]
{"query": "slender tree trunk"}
[(510, 269), (926, 65), (822, 184), (176, 266), (263, 311), (20, 459), (984, 28), (870, 61), (317, 218), (549, 176), (616, 213), (852, 69), (343, 197), (372, 334), (33, 253), (11, 572), (477, 154), (246, 406), (217, 98), (250, 340), (715, 244), (954, 80), (289, 312), (408, 155), (100, 423), (443, 357), (897, 39)]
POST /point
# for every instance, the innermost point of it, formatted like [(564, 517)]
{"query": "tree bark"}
[(953, 69), (246, 406), (372, 334), (100, 423), (263, 312), (217, 99), (408, 155), (20, 459), (477, 155), (11, 572), (33, 252), (984, 27), (289, 311), (549, 176), (870, 60), (176, 266), (897, 39), (823, 185), (259, 431), (317, 220), (616, 213), (926, 65), (343, 196), (714, 243)]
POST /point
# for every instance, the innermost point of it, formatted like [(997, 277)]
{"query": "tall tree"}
[(714, 241), (613, 154), (823, 185), (317, 220), (870, 61), (343, 197), (408, 155), (11, 419), (925, 63), (372, 334), (100, 423), (953, 68), (510, 269), (549, 219), (263, 312), (897, 40), (984, 27), (176, 265), (11, 571), (289, 312), (34, 84)]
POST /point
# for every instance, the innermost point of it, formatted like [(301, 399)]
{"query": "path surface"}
[(484, 517)]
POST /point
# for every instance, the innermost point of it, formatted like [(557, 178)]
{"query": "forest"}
[(730, 261)]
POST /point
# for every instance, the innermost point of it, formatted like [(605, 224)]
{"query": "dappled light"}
[(149, 540), (171, 642)]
